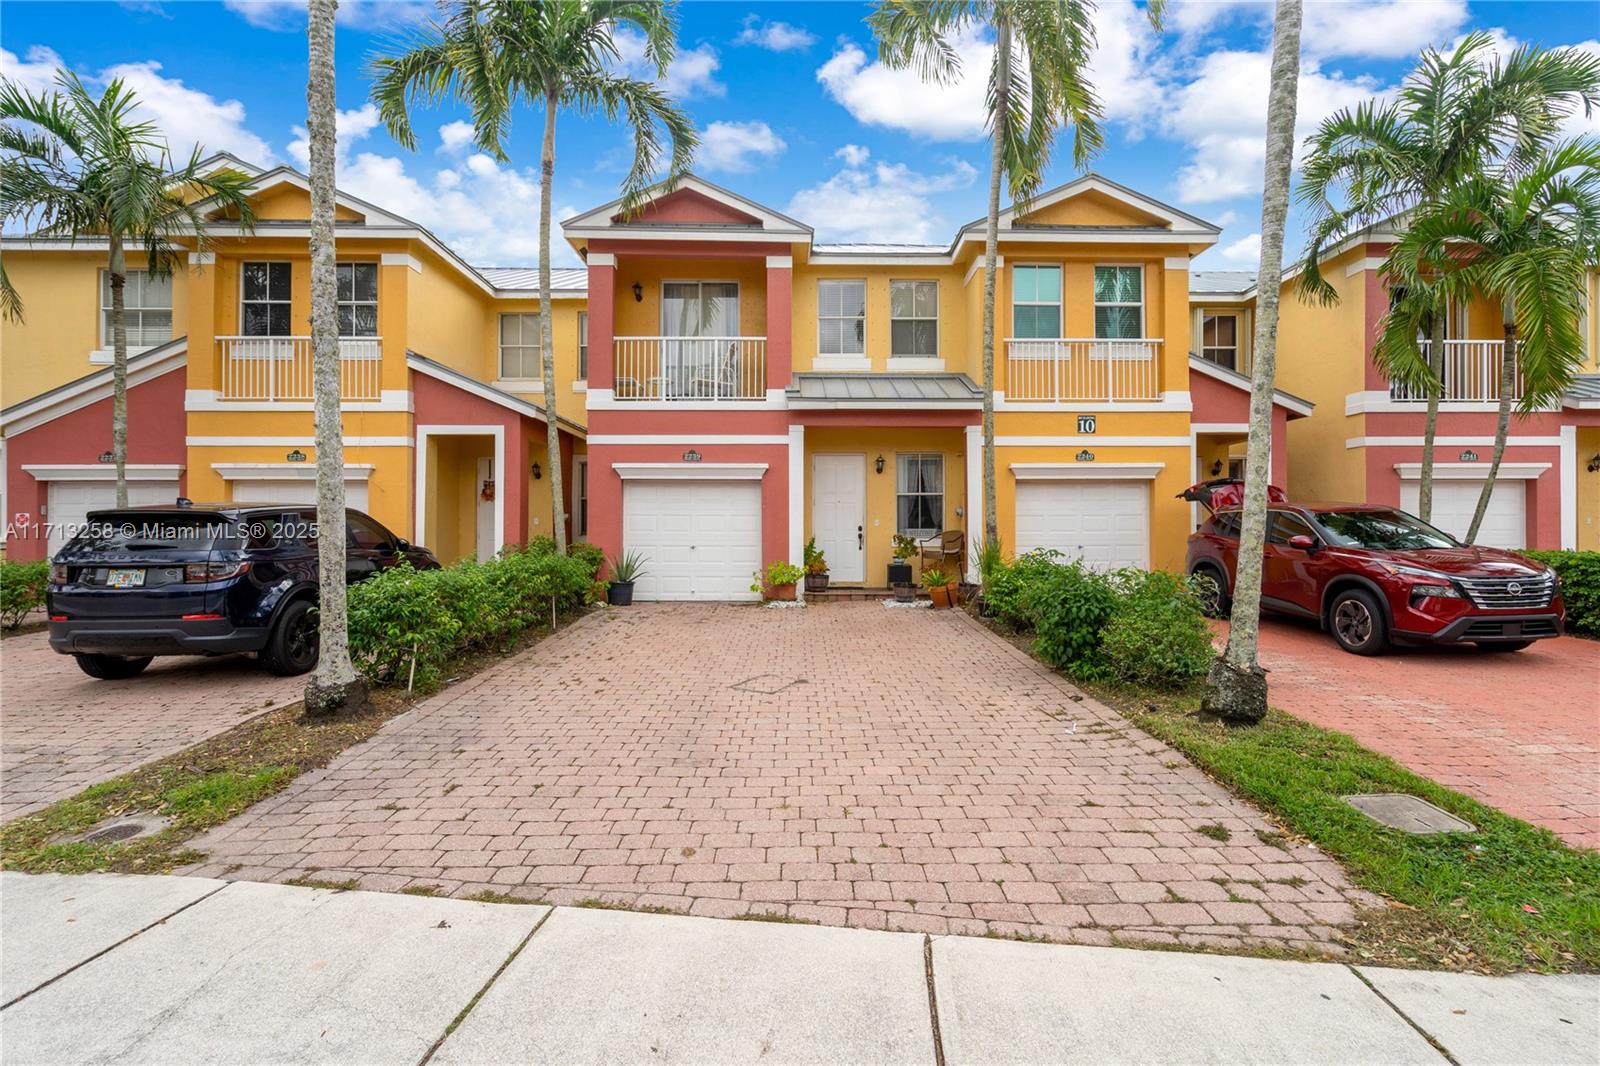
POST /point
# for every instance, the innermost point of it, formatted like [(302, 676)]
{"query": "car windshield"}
[(1382, 531)]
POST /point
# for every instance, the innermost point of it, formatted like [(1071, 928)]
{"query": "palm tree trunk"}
[(334, 686), (117, 269), (1502, 425), (1236, 687), (1430, 427), (547, 173), (991, 254)]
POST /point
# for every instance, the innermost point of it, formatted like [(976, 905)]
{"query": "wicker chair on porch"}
[(943, 549)]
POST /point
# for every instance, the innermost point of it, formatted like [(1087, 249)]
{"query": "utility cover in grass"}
[(1400, 811)]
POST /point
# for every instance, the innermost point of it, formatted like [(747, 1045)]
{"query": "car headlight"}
[(1448, 592)]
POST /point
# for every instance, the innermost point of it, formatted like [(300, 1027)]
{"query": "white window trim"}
[(515, 384), (842, 356), (899, 491), (580, 529), (353, 304), (1060, 303), (582, 374), (106, 353), (1143, 292), (937, 352), (1237, 314), (290, 301)]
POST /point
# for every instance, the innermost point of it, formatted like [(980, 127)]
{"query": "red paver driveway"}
[(61, 731), (845, 764), (1520, 731)]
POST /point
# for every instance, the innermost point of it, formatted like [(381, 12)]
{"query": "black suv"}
[(197, 579)]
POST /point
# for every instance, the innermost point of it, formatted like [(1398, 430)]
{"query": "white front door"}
[(295, 490), (839, 514), (486, 508), (698, 540), (1104, 523), (71, 501), (1505, 523)]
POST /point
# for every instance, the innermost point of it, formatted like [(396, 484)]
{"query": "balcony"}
[(690, 369), (1470, 372), (278, 369), (1083, 370)]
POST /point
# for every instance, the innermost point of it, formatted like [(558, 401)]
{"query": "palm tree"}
[(76, 166), (554, 54), (334, 686), (1524, 238), (1455, 115), (1236, 686), (1037, 84)]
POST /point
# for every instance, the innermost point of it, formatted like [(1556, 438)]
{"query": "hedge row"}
[(1133, 626), (1580, 587), (21, 590), (406, 624)]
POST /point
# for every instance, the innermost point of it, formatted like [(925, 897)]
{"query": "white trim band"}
[(102, 471), (1472, 471), (690, 471), (1086, 471)]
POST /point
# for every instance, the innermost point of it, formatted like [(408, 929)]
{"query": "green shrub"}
[(400, 621), (1157, 635), (586, 553), (1580, 586), (21, 590), (1070, 606), (1005, 584)]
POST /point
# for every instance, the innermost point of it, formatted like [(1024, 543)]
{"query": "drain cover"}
[(115, 830), (1400, 811)]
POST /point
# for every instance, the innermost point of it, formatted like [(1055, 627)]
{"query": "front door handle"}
[(861, 538)]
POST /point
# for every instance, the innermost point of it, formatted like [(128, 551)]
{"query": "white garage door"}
[(700, 540), (295, 490), (1505, 523), (1104, 523), (71, 501)]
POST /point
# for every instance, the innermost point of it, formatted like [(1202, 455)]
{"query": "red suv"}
[(1373, 575)]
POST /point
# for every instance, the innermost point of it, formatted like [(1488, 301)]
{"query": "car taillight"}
[(59, 574), (201, 572)]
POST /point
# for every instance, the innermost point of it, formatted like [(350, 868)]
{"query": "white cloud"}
[(898, 99), (1246, 251), (350, 126), (1367, 29), (455, 136), (853, 154), (774, 36), (1128, 67), (186, 117), (886, 202), (736, 146), (289, 16), (692, 71)]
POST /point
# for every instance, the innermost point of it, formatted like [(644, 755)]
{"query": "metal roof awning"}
[(907, 391)]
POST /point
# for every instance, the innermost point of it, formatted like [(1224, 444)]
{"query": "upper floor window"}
[(146, 306), (264, 300), (583, 346), (919, 494), (841, 317), (914, 318), (519, 346), (1118, 302), (358, 299), (1219, 340), (1036, 301)]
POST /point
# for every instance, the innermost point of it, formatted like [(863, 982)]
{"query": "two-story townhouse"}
[(763, 388), (445, 430), (1365, 442)]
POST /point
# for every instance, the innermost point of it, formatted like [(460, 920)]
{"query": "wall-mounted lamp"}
[(638, 293), (878, 465), (538, 471), (1594, 464), (1216, 468)]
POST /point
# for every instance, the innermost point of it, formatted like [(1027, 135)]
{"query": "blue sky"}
[(793, 108)]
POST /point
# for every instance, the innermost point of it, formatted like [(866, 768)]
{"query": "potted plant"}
[(900, 569), (939, 586), (906, 593), (625, 570), (816, 568), (778, 582)]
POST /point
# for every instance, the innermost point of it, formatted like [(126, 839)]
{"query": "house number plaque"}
[(691, 456), (1086, 424), (1086, 456), (1469, 456), (296, 456)]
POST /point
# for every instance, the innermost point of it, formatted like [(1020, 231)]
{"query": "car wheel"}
[(1505, 645), (292, 647), (1357, 622), (1213, 593), (112, 667)]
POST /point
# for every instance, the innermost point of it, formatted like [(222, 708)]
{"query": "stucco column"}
[(797, 499), (202, 325), (974, 519), (602, 319), (394, 277), (512, 482), (780, 320), (1176, 344)]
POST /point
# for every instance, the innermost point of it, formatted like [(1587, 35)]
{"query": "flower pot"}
[(905, 593), (899, 573), (956, 591), (781, 592), (620, 594), (817, 582), (940, 595)]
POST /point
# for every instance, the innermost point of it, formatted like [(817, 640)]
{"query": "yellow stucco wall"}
[(1588, 489), (389, 491), (1091, 207), (954, 347), (642, 318)]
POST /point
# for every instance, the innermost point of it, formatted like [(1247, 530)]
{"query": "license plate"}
[(125, 579)]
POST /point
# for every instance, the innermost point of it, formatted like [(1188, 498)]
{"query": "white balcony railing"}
[(1470, 373), (1083, 369), (279, 368), (690, 369)]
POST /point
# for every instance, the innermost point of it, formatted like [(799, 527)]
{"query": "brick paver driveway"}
[(61, 730), (1519, 731), (845, 764)]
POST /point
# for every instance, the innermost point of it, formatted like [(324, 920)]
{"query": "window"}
[(1036, 301), (919, 499), (1226, 523), (583, 346), (358, 299), (841, 317), (264, 303), (580, 470), (1118, 302), (146, 306), (519, 346), (1219, 340), (914, 318), (1281, 525), (365, 534)]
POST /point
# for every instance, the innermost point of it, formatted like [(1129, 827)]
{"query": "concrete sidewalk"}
[(177, 970)]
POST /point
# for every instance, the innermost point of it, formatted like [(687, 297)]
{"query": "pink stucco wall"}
[(1219, 402), (687, 205)]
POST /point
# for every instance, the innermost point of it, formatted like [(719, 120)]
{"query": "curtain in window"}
[(1117, 285), (920, 498)]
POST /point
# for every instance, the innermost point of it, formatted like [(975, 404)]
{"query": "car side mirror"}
[(1303, 542), (402, 544)]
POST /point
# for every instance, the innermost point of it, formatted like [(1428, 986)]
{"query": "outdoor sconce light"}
[(538, 472), (1594, 464), (1216, 468), (878, 465), (638, 293)]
